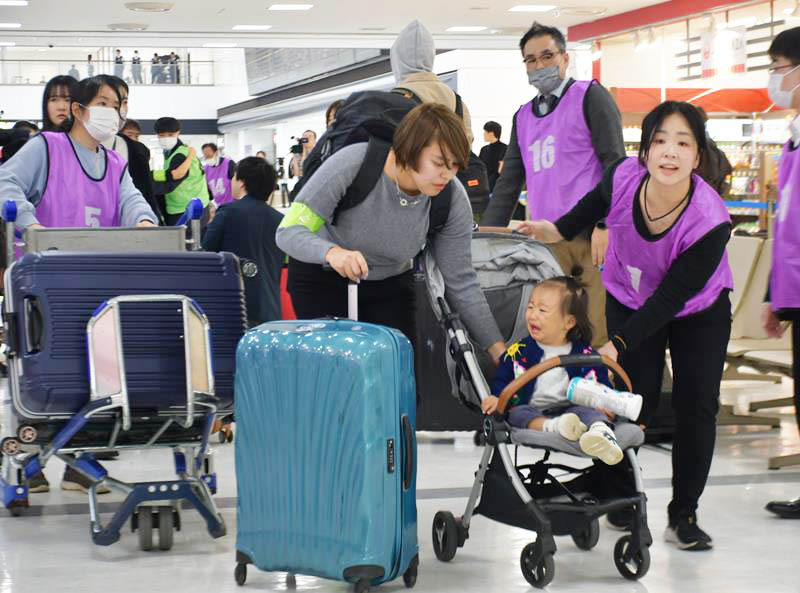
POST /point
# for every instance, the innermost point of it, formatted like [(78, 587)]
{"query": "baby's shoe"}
[(567, 425), (601, 442)]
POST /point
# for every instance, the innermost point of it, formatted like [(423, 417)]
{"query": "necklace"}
[(403, 201), (674, 208)]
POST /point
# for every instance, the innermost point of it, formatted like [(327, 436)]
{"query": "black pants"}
[(317, 292), (697, 346)]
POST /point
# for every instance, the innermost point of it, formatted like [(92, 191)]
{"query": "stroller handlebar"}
[(571, 360)]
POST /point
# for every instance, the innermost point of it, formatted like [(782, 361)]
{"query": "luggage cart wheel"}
[(240, 573), (10, 446), (631, 566), (17, 507), (361, 586), (445, 536), (144, 525), (410, 575), (538, 570), (27, 434), (587, 537), (166, 525)]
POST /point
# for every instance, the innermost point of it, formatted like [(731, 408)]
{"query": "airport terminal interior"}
[(184, 404)]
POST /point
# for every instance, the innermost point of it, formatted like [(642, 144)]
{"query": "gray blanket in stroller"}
[(628, 435)]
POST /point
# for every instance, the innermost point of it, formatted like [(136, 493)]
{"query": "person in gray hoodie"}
[(412, 65)]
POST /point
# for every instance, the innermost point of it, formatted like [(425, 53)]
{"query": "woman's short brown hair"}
[(426, 124)]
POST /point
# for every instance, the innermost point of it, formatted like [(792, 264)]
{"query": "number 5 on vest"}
[(93, 216)]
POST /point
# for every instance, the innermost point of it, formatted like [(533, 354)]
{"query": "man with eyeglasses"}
[(561, 142)]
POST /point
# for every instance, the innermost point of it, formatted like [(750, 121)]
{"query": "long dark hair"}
[(653, 120), (68, 86), (575, 302)]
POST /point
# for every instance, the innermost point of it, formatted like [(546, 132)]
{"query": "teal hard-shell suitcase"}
[(326, 452)]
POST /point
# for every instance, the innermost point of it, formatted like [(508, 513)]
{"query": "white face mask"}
[(103, 122), (781, 98), (168, 142)]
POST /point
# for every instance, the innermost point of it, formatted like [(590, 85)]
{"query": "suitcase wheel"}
[(240, 573), (10, 446), (361, 586), (410, 575)]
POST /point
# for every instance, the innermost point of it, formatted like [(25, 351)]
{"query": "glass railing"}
[(40, 71)]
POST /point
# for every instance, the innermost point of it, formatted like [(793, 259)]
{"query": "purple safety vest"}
[(561, 165), (785, 276), (635, 267), (218, 181), (71, 197)]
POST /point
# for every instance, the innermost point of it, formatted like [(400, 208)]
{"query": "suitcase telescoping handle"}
[(352, 295)]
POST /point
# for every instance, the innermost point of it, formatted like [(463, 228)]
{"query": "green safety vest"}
[(192, 186)]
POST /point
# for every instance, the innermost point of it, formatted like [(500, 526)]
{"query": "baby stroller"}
[(532, 496)]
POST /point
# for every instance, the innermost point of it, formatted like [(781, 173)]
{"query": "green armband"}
[(160, 175), (300, 214)]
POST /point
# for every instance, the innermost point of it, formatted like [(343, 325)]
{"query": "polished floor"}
[(50, 550)]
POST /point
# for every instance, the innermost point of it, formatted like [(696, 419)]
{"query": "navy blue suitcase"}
[(326, 452), (50, 296)]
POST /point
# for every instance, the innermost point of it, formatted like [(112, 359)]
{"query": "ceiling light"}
[(13, 2), (252, 27), (532, 8), (582, 10), (149, 6), (128, 26), (465, 29), (10, 25), (373, 29), (291, 7), (219, 45), (7, 44)]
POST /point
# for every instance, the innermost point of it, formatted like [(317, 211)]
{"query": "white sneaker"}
[(567, 425), (601, 442)]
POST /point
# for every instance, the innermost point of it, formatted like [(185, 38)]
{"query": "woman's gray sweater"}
[(389, 235)]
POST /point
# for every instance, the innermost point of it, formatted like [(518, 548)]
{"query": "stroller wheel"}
[(631, 566), (587, 537), (445, 536), (537, 570), (479, 438)]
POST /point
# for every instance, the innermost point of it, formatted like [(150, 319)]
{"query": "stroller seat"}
[(629, 435), (536, 496)]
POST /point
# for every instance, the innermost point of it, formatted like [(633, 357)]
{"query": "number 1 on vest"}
[(544, 153)]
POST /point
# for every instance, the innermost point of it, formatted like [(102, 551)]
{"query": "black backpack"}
[(475, 177), (372, 117)]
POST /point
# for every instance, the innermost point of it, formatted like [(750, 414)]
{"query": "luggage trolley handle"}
[(107, 362), (192, 215), (10, 219)]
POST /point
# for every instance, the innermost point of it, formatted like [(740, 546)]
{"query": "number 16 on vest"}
[(544, 153)]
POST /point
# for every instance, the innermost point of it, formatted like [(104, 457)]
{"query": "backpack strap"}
[(408, 93), (367, 177), (440, 210), (459, 106)]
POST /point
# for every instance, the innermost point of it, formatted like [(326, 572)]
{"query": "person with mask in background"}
[(246, 227), (783, 300), (68, 179), (219, 172), (136, 154), (561, 142), (136, 68), (182, 178)]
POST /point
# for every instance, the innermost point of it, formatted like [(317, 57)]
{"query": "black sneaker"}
[(687, 535), (38, 483), (75, 480), (621, 520)]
